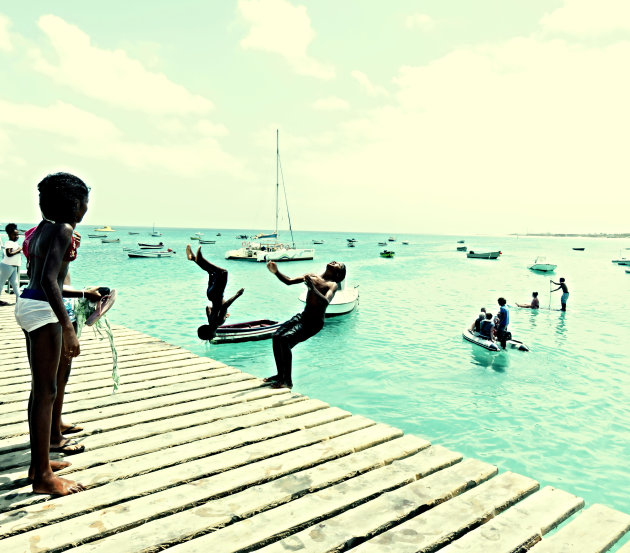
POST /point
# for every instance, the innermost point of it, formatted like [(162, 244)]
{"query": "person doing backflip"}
[(562, 285), (217, 281), (321, 290)]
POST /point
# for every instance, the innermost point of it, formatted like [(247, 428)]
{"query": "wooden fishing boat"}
[(405, 243), (382, 243), (150, 246), (207, 241), (388, 253), (460, 241), (578, 249), (483, 255), (97, 235), (133, 233), (462, 248), (110, 240), (317, 241), (246, 332)]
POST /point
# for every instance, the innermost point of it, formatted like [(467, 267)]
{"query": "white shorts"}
[(33, 314)]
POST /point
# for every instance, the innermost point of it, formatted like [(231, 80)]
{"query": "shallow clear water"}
[(559, 413)]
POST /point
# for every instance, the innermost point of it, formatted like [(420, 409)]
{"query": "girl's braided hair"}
[(60, 195)]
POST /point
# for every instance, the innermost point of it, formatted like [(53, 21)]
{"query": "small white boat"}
[(110, 240), (150, 253), (484, 255), (540, 264), (478, 340), (343, 302), (155, 232), (246, 332), (391, 239)]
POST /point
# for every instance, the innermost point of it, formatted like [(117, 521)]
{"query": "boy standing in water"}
[(503, 320), (321, 289), (565, 292), (50, 337)]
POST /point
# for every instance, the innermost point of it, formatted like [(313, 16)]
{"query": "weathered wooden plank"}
[(522, 525), (141, 445), (122, 403), (595, 530), (118, 517), (378, 515), (220, 483), (164, 375), (158, 413), (281, 435), (440, 525), (329, 501)]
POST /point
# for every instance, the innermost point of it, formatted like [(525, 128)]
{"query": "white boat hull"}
[(344, 301), (278, 254), (149, 254), (543, 267), (478, 340)]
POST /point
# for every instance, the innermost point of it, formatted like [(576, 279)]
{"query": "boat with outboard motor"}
[(484, 255), (344, 301), (540, 264), (151, 246), (150, 253), (246, 332), (479, 340)]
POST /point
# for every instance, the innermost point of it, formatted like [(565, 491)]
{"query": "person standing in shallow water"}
[(562, 285), (321, 290), (50, 337)]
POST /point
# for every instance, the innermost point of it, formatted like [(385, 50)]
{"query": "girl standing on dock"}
[(50, 336)]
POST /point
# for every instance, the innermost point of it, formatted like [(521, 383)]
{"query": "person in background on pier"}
[(11, 261), (535, 303), (321, 290), (217, 281), (477, 322), (50, 337), (562, 285), (502, 322), (486, 328)]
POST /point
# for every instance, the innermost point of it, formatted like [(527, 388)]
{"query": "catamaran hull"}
[(475, 338)]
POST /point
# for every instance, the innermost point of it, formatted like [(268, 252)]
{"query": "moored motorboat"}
[(97, 235), (196, 236), (462, 248), (110, 240), (246, 332), (391, 239), (460, 241), (483, 255), (578, 249), (540, 264), (241, 237), (344, 301), (150, 246), (207, 241), (351, 244), (382, 243), (133, 233), (388, 253), (622, 261), (317, 242), (150, 253), (405, 243), (106, 228), (478, 340)]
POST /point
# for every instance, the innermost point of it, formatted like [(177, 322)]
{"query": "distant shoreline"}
[(566, 235)]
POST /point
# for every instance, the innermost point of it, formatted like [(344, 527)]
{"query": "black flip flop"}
[(69, 447)]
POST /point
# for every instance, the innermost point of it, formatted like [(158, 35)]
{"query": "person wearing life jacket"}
[(486, 328)]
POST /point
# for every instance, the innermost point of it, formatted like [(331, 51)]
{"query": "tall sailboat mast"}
[(277, 181)]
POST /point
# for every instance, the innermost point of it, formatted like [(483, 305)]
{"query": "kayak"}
[(477, 339)]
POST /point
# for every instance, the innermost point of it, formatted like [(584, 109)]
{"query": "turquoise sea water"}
[(559, 414)]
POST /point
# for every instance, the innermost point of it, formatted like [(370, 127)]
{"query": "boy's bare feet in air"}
[(189, 253)]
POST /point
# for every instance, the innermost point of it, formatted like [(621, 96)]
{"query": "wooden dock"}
[(193, 455)]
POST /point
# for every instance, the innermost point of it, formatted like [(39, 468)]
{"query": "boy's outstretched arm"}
[(273, 268)]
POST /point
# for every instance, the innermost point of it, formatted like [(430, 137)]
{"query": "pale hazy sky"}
[(409, 116)]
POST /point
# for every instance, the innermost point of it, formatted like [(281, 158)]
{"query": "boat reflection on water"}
[(497, 361)]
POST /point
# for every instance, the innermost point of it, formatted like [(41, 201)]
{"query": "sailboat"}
[(155, 232), (265, 246)]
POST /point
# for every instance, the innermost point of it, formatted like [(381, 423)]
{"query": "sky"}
[(414, 116)]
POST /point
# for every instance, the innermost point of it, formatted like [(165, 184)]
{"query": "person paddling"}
[(562, 285)]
